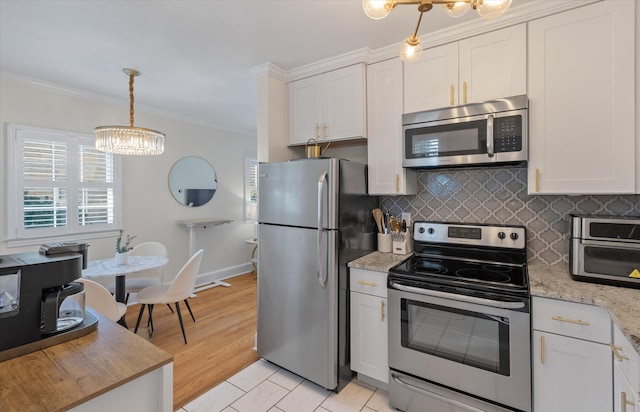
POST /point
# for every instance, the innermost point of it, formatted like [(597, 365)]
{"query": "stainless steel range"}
[(459, 321)]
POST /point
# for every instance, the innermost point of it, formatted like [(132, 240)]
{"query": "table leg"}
[(120, 295)]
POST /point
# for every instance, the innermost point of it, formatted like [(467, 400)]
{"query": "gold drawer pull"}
[(616, 353), (364, 282), (578, 321), (397, 183), (451, 95), (382, 310), (464, 92), (542, 350), (537, 180)]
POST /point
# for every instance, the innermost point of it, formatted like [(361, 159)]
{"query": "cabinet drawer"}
[(369, 282), (577, 320)]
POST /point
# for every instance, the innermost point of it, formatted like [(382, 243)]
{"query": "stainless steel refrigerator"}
[(314, 217)]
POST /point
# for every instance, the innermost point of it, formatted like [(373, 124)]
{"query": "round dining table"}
[(109, 268)]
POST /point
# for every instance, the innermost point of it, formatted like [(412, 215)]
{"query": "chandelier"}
[(411, 48), (129, 140)]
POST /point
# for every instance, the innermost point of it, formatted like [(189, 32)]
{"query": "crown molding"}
[(337, 62), (268, 70)]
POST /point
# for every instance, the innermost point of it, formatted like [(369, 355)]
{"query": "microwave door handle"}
[(490, 151)]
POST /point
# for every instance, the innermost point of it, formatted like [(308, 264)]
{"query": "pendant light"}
[(411, 48), (129, 140)]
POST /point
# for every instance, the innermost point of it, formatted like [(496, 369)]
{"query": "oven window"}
[(610, 261), (470, 338)]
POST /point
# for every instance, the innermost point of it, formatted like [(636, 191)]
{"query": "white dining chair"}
[(178, 290), (99, 299), (134, 283)]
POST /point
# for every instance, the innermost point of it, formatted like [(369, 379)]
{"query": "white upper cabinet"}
[(328, 107), (384, 142), (485, 67), (581, 101)]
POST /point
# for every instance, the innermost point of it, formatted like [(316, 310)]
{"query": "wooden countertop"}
[(555, 282), (68, 374)]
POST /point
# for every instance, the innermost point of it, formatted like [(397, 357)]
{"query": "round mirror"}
[(192, 181)]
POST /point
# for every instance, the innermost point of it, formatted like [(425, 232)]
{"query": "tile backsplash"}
[(499, 195)]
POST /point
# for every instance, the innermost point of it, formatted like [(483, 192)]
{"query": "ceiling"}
[(195, 56)]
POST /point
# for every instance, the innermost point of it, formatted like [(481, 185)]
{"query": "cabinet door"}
[(343, 104), (570, 374), (581, 101), (626, 359), (369, 336), (305, 109), (384, 133), (431, 82), (493, 65), (625, 399)]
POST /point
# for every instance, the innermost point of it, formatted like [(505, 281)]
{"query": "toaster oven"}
[(605, 249)]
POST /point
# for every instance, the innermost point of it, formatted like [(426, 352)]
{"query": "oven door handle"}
[(461, 298), (452, 402)]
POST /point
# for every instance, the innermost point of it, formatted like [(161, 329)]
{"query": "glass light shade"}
[(411, 49), (129, 140), (377, 9), (490, 9), (457, 9)]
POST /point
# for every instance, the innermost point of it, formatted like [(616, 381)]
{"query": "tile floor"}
[(265, 387)]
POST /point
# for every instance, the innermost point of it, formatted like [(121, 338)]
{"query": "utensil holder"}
[(385, 243)]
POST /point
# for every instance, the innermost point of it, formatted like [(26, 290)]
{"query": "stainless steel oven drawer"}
[(415, 395)]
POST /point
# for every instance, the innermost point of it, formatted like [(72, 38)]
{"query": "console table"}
[(191, 226)]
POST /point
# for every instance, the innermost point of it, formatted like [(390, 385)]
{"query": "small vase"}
[(122, 258)]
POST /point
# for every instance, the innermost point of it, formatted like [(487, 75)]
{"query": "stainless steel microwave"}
[(488, 133)]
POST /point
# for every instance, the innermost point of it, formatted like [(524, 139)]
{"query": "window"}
[(250, 190), (58, 184)]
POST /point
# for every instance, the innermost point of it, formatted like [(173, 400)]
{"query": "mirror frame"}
[(196, 172)]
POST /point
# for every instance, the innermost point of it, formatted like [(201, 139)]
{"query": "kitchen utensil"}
[(315, 151), (392, 224), (377, 216)]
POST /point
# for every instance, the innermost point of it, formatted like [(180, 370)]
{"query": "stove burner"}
[(428, 266), (484, 275)]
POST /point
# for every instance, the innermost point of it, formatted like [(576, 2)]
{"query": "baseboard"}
[(223, 273)]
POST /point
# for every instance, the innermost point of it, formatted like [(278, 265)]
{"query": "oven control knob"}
[(514, 236), (430, 231), (421, 230), (501, 235)]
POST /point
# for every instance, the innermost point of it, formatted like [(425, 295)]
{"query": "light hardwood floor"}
[(220, 342)]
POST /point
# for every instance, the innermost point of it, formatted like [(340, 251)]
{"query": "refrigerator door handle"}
[(323, 178)]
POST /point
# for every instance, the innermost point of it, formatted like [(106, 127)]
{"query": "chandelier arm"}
[(415, 34), (131, 99)]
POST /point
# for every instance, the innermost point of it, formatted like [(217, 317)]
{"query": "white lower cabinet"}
[(570, 374), (626, 374), (572, 360), (369, 342)]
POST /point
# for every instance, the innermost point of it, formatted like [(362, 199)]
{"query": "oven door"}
[(475, 345), (617, 263)]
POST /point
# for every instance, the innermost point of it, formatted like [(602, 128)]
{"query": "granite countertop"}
[(622, 303), (554, 282)]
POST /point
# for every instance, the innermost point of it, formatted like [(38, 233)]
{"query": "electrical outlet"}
[(407, 217)]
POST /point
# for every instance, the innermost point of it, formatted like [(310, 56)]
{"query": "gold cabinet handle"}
[(624, 402), (326, 131), (364, 282), (576, 321), (382, 310), (464, 92), (317, 131), (397, 183), (542, 350), (451, 90), (537, 180), (616, 353)]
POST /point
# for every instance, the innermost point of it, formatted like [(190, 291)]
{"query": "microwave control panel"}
[(507, 132)]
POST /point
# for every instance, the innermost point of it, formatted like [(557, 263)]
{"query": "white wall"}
[(150, 211)]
